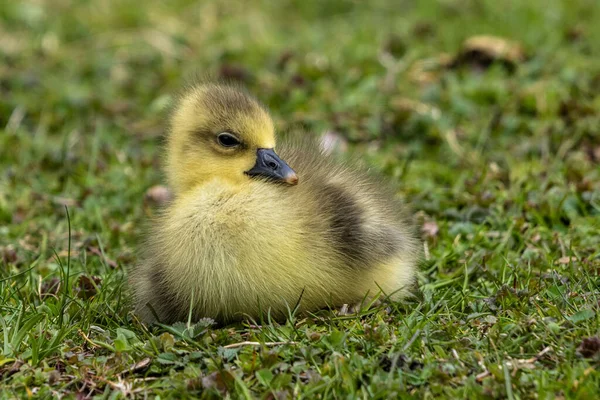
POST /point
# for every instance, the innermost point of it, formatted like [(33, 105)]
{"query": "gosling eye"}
[(227, 139)]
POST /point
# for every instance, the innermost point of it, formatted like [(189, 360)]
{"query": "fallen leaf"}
[(87, 286), (589, 347), (49, 287), (482, 51)]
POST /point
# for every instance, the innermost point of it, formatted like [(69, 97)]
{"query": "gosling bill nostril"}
[(269, 165)]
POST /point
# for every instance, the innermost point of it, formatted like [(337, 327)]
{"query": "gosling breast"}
[(228, 251)]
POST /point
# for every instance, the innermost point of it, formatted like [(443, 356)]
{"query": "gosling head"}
[(219, 132)]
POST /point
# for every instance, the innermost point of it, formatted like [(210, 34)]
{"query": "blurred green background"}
[(495, 143)]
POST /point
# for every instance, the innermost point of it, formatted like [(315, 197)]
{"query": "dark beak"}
[(269, 165)]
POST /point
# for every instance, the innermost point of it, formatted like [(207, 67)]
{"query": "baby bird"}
[(254, 228)]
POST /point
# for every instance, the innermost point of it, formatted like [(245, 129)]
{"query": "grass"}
[(501, 167)]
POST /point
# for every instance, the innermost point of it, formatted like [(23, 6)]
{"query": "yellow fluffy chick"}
[(251, 231)]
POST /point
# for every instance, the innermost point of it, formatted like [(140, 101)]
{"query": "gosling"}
[(252, 232)]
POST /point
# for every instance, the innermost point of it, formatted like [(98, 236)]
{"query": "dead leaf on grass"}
[(87, 286), (482, 51), (589, 347)]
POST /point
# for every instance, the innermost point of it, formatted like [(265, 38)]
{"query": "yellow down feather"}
[(230, 245)]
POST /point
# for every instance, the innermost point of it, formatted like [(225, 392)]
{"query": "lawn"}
[(500, 161)]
